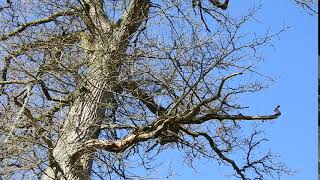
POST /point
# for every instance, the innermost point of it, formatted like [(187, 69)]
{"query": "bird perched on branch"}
[(277, 110)]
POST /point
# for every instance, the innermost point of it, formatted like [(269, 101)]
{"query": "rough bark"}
[(82, 124), (88, 109)]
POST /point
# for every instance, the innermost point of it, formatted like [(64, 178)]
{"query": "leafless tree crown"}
[(93, 88)]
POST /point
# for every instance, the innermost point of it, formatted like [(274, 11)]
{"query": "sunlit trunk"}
[(83, 122), (88, 109)]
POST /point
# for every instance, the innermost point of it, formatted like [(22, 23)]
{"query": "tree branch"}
[(35, 23), (145, 98), (240, 117), (95, 17), (215, 148), (117, 145), (196, 109), (131, 20), (16, 82), (47, 94), (51, 42), (117, 126)]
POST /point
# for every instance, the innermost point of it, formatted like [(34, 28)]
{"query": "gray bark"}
[(88, 109), (81, 125)]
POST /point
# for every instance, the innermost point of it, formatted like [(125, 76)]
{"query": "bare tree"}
[(88, 86)]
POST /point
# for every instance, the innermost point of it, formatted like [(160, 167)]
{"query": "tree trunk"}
[(88, 109), (82, 124)]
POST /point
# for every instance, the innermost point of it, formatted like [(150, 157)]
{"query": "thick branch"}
[(117, 145), (95, 17), (240, 117), (154, 131), (132, 19)]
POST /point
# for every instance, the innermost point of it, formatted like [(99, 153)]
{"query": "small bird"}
[(277, 110)]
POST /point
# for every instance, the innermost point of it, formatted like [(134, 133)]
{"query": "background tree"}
[(90, 87)]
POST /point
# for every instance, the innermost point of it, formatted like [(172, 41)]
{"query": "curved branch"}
[(136, 136), (117, 145), (215, 148), (35, 23), (131, 20)]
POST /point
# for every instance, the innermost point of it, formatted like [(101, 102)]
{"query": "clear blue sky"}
[(293, 62)]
